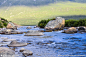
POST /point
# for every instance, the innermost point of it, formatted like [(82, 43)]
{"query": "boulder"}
[(6, 52), (22, 49), (82, 29), (34, 33), (27, 53), (58, 23), (70, 30), (28, 27), (11, 26), (17, 44)]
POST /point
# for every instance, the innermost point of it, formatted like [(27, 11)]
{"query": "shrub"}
[(3, 22), (43, 23), (75, 23)]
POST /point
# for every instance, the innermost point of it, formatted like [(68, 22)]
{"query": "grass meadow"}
[(27, 15)]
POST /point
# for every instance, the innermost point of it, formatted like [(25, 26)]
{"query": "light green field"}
[(25, 15)]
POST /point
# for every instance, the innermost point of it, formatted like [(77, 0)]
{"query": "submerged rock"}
[(58, 23), (7, 40), (70, 30), (6, 52), (28, 27), (34, 33), (17, 44)]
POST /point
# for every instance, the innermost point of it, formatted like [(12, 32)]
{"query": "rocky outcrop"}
[(17, 44), (58, 23), (11, 26), (5, 52), (70, 30), (34, 33)]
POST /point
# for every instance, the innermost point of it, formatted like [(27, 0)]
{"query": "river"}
[(51, 44)]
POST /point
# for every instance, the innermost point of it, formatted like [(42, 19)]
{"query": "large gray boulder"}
[(6, 52), (34, 33), (58, 23)]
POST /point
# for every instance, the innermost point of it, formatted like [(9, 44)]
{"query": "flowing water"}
[(52, 44)]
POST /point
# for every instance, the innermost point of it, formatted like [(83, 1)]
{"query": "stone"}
[(11, 26), (10, 31), (17, 44), (6, 52), (82, 29), (22, 49), (58, 23), (27, 53), (28, 27), (70, 30), (8, 40), (34, 33)]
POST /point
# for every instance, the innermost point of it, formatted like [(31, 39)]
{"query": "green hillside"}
[(25, 15)]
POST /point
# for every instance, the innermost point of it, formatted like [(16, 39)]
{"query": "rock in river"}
[(28, 27), (8, 40), (10, 31), (58, 23), (70, 30), (34, 33), (6, 52), (26, 52), (17, 44), (82, 29), (11, 26)]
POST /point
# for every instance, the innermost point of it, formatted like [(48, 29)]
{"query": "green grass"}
[(25, 15)]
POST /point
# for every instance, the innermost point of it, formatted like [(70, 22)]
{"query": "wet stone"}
[(5, 52), (17, 44)]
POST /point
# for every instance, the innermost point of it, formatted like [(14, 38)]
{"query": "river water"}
[(51, 44)]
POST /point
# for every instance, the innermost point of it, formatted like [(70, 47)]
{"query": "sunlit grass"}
[(25, 15)]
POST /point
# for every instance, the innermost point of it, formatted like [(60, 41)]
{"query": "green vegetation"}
[(3, 22), (43, 23), (34, 2), (75, 23), (68, 23), (25, 15)]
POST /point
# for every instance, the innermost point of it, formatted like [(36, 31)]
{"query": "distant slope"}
[(34, 2), (25, 15)]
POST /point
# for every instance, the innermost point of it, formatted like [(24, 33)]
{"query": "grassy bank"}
[(24, 15)]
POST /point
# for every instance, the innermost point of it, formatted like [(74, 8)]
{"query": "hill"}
[(34, 2), (25, 15)]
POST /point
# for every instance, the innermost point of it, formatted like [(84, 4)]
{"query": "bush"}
[(43, 23), (3, 22), (75, 23)]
